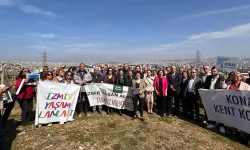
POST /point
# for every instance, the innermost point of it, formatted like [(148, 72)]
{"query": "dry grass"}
[(115, 132)]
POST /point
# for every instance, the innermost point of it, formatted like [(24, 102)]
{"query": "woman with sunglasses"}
[(68, 78), (109, 78), (25, 96), (48, 76)]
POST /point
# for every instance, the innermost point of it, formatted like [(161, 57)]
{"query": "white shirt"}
[(191, 85), (214, 80)]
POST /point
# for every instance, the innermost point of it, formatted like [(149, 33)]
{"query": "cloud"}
[(35, 10), (6, 3), (42, 35), (214, 12), (240, 30), (29, 9)]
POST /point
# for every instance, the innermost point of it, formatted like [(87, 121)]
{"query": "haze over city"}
[(74, 31)]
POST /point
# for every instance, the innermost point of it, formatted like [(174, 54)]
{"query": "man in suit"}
[(193, 98), (174, 82)]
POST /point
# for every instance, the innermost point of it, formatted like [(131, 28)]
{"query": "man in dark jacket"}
[(174, 84), (97, 78), (213, 82)]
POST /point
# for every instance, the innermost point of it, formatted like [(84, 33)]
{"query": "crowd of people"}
[(158, 89)]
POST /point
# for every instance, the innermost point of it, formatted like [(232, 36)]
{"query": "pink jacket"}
[(164, 85)]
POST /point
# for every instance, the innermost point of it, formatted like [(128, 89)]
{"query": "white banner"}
[(230, 107), (56, 102), (227, 63), (119, 97)]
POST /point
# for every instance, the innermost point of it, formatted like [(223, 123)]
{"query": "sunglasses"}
[(69, 75), (49, 74), (25, 71), (193, 72)]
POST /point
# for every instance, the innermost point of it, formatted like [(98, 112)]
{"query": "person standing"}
[(174, 84), (161, 87), (125, 69), (25, 96), (68, 77), (97, 78), (109, 78), (102, 72), (115, 71), (149, 80), (45, 70), (183, 96), (139, 84), (60, 76), (193, 98), (122, 81), (145, 72), (129, 78), (205, 74), (212, 82), (82, 77)]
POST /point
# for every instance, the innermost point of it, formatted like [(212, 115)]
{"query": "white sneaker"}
[(50, 124), (210, 126), (61, 123), (222, 130)]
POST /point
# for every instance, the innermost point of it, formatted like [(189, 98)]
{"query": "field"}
[(115, 132)]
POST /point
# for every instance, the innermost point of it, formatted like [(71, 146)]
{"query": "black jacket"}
[(176, 82), (183, 87), (208, 81), (97, 78), (117, 82), (248, 81)]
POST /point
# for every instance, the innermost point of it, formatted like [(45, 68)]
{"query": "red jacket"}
[(26, 92), (164, 85)]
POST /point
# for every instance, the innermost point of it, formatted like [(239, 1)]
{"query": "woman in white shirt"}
[(149, 80)]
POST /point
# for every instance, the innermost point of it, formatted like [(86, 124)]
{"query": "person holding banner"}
[(248, 79), (25, 94), (97, 78), (109, 78), (2, 90), (161, 88), (139, 86), (193, 98), (212, 82), (149, 80), (182, 93), (122, 81), (82, 77)]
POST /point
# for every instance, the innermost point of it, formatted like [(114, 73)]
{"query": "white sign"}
[(119, 97), (56, 102), (227, 63), (230, 107)]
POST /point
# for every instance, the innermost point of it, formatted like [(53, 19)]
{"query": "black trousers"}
[(82, 103), (141, 104), (1, 133), (26, 106), (184, 102), (9, 107), (177, 104), (193, 105), (162, 101)]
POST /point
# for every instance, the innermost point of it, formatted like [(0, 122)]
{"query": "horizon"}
[(123, 31)]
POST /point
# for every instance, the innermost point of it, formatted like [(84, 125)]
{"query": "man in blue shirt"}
[(102, 71)]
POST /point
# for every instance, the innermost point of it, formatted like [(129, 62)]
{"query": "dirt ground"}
[(116, 132)]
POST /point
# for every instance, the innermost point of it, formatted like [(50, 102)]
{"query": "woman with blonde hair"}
[(238, 83), (60, 76)]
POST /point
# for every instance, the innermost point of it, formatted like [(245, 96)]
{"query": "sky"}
[(123, 30)]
